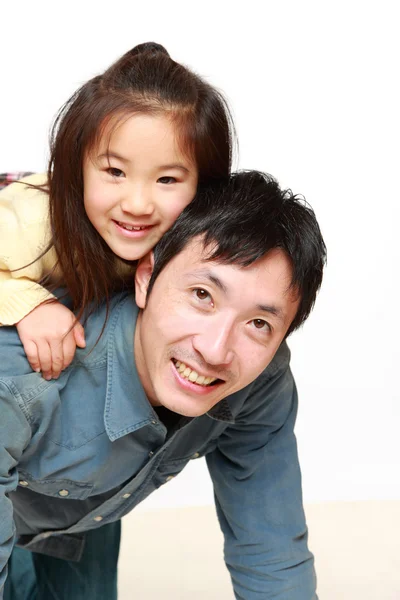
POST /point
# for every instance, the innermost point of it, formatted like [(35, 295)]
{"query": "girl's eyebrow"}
[(177, 166), (113, 155), (126, 161)]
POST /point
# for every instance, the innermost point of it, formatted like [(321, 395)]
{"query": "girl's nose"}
[(138, 203)]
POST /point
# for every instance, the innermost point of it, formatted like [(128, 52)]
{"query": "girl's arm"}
[(48, 331)]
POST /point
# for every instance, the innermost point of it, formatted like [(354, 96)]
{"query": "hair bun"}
[(148, 47)]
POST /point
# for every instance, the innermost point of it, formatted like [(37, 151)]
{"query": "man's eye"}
[(261, 324), (115, 172), (167, 180), (201, 294)]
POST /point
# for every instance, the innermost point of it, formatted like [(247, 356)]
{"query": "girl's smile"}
[(133, 231)]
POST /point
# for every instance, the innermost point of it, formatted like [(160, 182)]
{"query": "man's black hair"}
[(241, 221)]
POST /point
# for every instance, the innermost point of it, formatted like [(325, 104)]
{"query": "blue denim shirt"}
[(84, 450)]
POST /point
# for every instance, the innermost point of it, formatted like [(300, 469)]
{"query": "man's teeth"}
[(131, 227), (192, 376)]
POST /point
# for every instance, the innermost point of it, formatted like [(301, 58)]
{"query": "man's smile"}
[(191, 381), (191, 375)]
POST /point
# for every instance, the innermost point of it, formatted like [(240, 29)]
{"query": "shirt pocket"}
[(56, 488)]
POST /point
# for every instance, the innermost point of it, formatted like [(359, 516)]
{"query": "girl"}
[(128, 151)]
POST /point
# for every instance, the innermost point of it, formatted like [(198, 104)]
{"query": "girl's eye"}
[(166, 180), (115, 172), (201, 294), (261, 324)]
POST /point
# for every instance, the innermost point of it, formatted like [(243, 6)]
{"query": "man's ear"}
[(143, 274)]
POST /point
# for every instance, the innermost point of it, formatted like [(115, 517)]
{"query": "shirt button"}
[(151, 453), (98, 518), (126, 495), (154, 422), (196, 455), (170, 477), (24, 483), (63, 493)]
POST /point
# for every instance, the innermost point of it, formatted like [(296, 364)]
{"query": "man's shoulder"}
[(108, 323), (104, 325), (277, 376), (274, 385), (86, 374), (279, 364)]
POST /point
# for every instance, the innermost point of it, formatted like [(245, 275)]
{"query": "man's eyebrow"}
[(272, 310), (207, 274)]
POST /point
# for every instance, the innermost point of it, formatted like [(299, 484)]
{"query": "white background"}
[(314, 91)]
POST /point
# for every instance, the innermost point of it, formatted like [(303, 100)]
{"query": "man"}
[(202, 369)]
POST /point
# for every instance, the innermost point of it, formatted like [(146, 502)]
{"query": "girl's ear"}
[(143, 274)]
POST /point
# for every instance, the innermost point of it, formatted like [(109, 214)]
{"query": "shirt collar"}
[(127, 408), (222, 411)]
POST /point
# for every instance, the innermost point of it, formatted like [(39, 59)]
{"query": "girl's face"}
[(136, 184)]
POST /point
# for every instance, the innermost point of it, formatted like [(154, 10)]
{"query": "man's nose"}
[(137, 201), (215, 342)]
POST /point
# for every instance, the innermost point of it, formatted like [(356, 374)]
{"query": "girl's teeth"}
[(130, 227)]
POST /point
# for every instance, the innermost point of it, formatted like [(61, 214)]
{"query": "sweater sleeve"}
[(24, 235)]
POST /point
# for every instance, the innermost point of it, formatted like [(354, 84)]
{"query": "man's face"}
[(209, 329)]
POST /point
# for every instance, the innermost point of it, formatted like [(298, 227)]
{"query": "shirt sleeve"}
[(257, 487), (24, 235), (15, 434)]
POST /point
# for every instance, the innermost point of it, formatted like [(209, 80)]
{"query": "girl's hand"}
[(50, 334)]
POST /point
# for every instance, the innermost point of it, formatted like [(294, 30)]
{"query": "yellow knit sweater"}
[(24, 234)]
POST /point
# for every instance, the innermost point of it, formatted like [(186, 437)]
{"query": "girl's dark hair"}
[(241, 221), (144, 80)]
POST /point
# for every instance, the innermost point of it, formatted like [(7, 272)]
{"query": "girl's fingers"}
[(69, 344), (32, 355), (45, 359), (57, 357), (79, 334)]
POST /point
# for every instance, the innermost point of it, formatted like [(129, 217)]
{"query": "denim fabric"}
[(35, 576), (82, 451)]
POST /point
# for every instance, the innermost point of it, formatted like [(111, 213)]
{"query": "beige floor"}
[(176, 554)]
